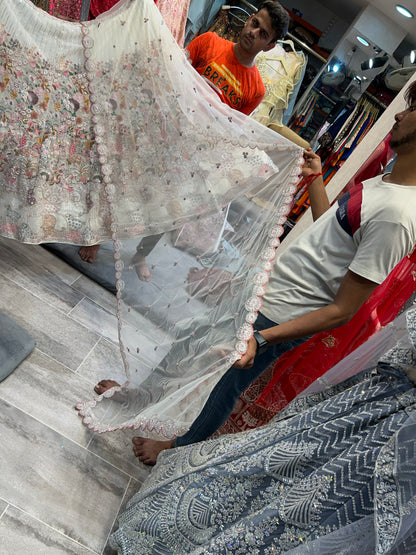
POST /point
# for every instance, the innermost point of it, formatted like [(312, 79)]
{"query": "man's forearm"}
[(318, 197), (323, 319)]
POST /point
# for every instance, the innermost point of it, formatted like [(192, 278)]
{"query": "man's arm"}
[(317, 192), (352, 293)]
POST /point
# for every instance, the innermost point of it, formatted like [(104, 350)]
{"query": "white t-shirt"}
[(368, 231)]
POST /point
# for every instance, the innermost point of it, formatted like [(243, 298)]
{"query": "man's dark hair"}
[(410, 94), (279, 16)]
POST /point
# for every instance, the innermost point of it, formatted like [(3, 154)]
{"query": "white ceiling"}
[(351, 8)]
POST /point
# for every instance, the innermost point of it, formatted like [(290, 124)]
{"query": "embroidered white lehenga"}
[(108, 134)]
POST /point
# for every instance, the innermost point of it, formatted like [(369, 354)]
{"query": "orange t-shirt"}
[(238, 86)]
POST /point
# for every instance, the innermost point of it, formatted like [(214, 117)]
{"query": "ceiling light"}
[(371, 63), (363, 41), (413, 56), (404, 11)]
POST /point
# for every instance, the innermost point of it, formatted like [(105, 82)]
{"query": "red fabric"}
[(374, 165), (100, 6), (66, 9), (297, 369), (238, 86)]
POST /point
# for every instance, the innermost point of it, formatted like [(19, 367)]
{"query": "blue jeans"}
[(225, 394)]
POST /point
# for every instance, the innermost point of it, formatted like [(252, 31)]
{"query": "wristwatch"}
[(262, 343)]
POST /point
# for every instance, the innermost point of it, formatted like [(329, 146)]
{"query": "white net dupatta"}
[(119, 139)]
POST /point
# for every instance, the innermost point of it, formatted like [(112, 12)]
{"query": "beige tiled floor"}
[(61, 486)]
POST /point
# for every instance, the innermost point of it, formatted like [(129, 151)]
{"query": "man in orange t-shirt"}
[(229, 67)]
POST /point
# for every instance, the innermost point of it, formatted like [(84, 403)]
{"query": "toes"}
[(144, 274), (104, 385), (99, 387), (137, 440)]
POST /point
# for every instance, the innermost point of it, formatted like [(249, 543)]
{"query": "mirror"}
[(369, 62)]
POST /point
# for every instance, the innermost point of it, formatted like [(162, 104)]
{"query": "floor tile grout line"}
[(75, 372), (48, 255), (49, 526), (105, 304), (101, 458), (40, 298), (63, 313), (77, 278), (8, 505), (67, 313), (86, 356), (85, 297), (118, 512)]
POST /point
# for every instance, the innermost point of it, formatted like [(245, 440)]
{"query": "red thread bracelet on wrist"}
[(311, 178)]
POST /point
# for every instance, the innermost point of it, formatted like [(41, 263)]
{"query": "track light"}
[(404, 11), (363, 41), (371, 63)]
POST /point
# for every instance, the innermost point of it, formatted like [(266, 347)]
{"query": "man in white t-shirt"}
[(325, 276)]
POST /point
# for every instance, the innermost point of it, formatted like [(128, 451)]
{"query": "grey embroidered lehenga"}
[(334, 472)]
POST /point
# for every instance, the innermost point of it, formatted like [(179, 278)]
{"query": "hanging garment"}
[(43, 4), (109, 134), (337, 142), (376, 164), (68, 9), (201, 15), (174, 12), (98, 7), (301, 119), (281, 71), (334, 472)]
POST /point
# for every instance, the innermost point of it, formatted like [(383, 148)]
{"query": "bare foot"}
[(142, 269), (89, 254), (120, 395), (147, 450), (105, 385)]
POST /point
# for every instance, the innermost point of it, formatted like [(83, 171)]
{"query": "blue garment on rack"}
[(293, 97), (201, 15)]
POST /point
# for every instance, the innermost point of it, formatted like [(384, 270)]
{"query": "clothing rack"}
[(374, 99), (307, 48), (253, 8), (327, 97)]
